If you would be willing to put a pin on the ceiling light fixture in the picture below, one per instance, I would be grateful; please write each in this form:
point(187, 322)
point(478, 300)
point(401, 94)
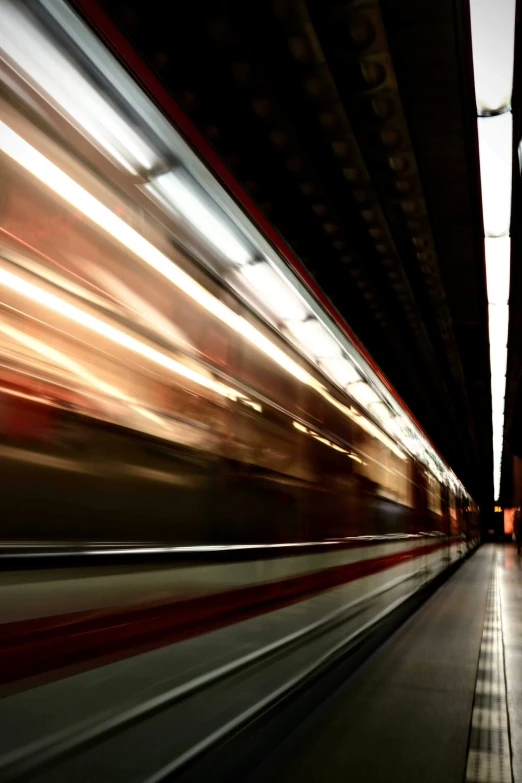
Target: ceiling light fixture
point(493, 38)
point(493, 44)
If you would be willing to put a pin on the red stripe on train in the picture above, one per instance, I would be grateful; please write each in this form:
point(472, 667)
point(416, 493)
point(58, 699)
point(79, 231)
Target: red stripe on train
point(33, 647)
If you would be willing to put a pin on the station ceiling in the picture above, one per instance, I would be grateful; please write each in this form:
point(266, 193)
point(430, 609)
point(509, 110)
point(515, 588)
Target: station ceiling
point(352, 125)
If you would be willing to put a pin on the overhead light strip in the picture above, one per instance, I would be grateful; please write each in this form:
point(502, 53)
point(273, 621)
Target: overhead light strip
point(493, 42)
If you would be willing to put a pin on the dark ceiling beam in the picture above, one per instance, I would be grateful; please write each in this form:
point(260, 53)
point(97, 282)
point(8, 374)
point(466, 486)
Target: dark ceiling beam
point(386, 168)
point(430, 44)
point(368, 83)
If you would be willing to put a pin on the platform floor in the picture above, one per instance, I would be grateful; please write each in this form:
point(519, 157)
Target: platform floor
point(431, 703)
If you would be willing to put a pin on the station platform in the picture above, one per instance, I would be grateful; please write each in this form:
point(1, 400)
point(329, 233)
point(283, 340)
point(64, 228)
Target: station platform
point(401, 674)
point(439, 701)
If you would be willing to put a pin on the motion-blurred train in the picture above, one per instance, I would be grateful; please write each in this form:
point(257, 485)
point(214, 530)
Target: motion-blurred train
point(164, 377)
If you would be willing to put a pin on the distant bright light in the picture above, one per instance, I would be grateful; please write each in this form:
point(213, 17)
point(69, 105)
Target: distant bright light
point(495, 136)
point(493, 39)
point(498, 269)
point(498, 413)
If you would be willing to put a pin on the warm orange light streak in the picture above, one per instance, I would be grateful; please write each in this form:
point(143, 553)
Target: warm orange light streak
point(60, 183)
point(75, 314)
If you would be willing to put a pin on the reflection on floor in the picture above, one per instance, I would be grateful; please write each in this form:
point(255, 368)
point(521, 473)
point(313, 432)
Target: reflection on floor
point(509, 569)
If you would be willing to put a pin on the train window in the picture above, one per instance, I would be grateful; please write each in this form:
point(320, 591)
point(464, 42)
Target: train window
point(387, 470)
point(452, 509)
point(433, 493)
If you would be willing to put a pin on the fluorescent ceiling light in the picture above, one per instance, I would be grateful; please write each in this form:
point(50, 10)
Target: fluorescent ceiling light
point(495, 136)
point(498, 413)
point(181, 198)
point(273, 291)
point(493, 40)
point(363, 393)
point(61, 184)
point(498, 360)
point(38, 60)
point(498, 334)
point(498, 387)
point(498, 440)
point(498, 428)
point(341, 371)
point(498, 268)
point(315, 339)
point(498, 326)
point(496, 477)
point(498, 436)
point(493, 37)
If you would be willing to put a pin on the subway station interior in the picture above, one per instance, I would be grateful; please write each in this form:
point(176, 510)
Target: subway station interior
point(260, 391)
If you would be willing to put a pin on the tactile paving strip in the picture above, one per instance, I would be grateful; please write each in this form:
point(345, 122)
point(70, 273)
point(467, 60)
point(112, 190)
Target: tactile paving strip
point(489, 757)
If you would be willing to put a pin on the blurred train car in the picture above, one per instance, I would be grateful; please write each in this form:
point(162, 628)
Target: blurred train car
point(146, 402)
